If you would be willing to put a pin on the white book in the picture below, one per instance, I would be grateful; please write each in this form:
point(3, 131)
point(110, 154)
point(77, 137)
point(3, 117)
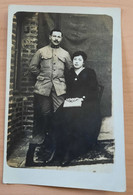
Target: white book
point(73, 102)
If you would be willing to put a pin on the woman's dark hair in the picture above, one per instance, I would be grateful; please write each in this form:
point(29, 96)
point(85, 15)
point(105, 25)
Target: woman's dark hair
point(80, 53)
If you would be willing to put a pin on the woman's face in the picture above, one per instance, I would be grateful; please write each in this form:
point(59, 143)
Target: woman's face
point(78, 62)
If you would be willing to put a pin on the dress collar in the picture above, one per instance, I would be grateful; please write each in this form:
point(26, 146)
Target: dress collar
point(77, 72)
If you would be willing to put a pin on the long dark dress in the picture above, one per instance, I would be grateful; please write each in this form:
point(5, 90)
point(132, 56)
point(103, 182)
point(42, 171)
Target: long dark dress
point(76, 128)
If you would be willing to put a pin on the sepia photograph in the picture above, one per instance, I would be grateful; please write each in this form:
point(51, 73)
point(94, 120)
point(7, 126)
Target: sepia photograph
point(60, 104)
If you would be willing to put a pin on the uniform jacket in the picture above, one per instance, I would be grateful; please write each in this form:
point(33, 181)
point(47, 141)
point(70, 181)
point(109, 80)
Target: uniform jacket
point(49, 64)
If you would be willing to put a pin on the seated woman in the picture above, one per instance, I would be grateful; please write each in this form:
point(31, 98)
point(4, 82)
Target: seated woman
point(77, 123)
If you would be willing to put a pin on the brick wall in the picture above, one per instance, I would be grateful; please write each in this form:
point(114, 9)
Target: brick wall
point(28, 49)
point(24, 45)
point(15, 103)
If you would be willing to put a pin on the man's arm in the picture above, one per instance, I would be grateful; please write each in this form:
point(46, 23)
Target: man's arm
point(34, 66)
point(68, 61)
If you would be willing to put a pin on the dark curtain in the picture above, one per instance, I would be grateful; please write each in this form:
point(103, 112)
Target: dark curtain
point(90, 33)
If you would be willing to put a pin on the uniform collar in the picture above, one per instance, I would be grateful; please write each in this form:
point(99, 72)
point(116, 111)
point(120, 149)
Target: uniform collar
point(54, 46)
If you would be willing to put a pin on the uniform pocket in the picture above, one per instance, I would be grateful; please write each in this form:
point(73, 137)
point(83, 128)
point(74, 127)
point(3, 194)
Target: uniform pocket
point(46, 55)
point(62, 59)
point(62, 80)
point(40, 78)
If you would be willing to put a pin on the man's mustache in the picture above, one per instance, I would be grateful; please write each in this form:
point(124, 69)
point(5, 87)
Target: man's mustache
point(56, 41)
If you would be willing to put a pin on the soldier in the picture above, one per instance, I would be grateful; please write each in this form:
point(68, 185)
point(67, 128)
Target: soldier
point(48, 65)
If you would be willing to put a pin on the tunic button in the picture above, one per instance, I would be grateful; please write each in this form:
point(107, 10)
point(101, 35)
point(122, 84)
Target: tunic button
point(75, 79)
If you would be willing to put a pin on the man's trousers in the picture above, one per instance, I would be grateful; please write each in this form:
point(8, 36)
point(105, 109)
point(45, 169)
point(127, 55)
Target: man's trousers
point(43, 110)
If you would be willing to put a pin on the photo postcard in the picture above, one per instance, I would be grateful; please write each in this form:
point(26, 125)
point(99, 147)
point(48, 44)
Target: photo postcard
point(64, 122)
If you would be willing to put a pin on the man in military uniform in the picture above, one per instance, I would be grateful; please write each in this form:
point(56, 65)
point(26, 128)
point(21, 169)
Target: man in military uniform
point(48, 65)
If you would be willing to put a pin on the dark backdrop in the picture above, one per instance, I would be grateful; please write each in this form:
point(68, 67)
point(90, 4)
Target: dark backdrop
point(90, 33)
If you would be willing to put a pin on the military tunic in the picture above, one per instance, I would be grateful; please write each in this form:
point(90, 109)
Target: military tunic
point(48, 64)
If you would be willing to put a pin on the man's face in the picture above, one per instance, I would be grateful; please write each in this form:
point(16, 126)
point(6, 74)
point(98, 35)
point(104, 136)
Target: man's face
point(55, 38)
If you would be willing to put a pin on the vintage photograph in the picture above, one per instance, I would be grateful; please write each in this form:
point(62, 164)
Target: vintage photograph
point(55, 58)
point(60, 99)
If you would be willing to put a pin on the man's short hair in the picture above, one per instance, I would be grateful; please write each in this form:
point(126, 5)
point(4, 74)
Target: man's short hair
point(57, 30)
point(80, 53)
